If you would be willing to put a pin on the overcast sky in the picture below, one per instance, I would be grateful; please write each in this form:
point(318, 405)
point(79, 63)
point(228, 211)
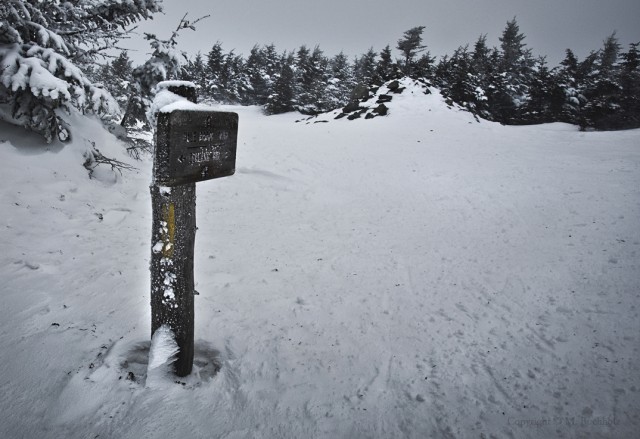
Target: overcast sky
point(354, 26)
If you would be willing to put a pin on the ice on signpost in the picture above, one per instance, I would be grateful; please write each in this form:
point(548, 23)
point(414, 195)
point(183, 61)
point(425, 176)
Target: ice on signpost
point(162, 354)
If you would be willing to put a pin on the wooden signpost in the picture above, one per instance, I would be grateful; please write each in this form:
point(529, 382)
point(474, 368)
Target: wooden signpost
point(191, 146)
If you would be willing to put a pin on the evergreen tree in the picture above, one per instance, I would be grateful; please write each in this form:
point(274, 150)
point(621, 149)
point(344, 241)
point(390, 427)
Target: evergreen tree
point(311, 70)
point(365, 70)
point(340, 83)
point(163, 64)
point(458, 81)
point(483, 66)
point(282, 99)
point(121, 66)
point(480, 57)
point(569, 95)
point(630, 85)
point(214, 72)
point(604, 92)
point(509, 84)
point(117, 77)
point(424, 66)
point(386, 68)
point(269, 71)
point(42, 47)
point(453, 76)
point(514, 55)
point(609, 53)
point(545, 98)
point(233, 82)
point(195, 71)
point(410, 45)
point(271, 62)
point(259, 81)
point(586, 74)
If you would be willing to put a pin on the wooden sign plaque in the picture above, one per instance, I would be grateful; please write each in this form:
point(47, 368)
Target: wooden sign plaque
point(193, 146)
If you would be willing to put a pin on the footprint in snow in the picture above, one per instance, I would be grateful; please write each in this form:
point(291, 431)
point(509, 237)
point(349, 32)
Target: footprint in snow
point(115, 216)
point(28, 264)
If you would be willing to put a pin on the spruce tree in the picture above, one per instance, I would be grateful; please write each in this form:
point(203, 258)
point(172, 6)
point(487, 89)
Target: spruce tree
point(514, 55)
point(340, 83)
point(424, 66)
point(480, 56)
point(510, 82)
point(586, 79)
point(365, 71)
point(213, 70)
point(311, 70)
point(43, 47)
point(282, 99)
point(386, 68)
point(457, 78)
point(483, 67)
point(609, 53)
point(271, 63)
point(233, 82)
point(119, 77)
point(164, 64)
point(630, 87)
point(195, 71)
point(569, 94)
point(410, 45)
point(539, 107)
point(259, 81)
point(121, 66)
point(269, 71)
point(603, 92)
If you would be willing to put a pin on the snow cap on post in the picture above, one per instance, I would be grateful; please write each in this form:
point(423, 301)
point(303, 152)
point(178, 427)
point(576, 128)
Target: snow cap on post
point(186, 89)
point(171, 92)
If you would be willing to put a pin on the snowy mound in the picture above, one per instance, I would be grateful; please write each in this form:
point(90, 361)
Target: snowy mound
point(92, 146)
point(402, 97)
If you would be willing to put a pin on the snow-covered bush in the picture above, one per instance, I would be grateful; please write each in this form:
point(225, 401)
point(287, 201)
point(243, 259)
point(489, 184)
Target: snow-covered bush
point(37, 83)
point(44, 44)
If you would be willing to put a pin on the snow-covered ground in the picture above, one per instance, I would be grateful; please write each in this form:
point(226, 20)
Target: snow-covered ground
point(417, 275)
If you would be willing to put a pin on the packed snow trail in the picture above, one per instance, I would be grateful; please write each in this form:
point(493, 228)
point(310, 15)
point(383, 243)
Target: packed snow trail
point(418, 275)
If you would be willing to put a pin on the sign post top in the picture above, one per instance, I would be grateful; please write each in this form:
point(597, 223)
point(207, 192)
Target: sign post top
point(194, 146)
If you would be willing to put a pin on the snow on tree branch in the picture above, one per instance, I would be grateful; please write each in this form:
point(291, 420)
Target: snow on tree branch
point(43, 47)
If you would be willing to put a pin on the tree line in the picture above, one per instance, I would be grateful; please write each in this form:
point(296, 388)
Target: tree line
point(50, 56)
point(506, 84)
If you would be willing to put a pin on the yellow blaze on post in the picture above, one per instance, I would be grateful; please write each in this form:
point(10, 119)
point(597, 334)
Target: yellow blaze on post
point(169, 235)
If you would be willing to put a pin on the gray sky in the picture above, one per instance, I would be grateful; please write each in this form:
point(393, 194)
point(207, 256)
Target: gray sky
point(354, 26)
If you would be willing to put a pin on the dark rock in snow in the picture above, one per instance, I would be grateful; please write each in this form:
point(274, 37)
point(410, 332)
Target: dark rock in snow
point(351, 107)
point(381, 109)
point(384, 98)
point(360, 93)
point(393, 85)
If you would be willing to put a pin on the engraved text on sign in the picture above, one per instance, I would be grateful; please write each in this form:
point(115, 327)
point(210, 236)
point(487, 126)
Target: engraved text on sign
point(194, 146)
